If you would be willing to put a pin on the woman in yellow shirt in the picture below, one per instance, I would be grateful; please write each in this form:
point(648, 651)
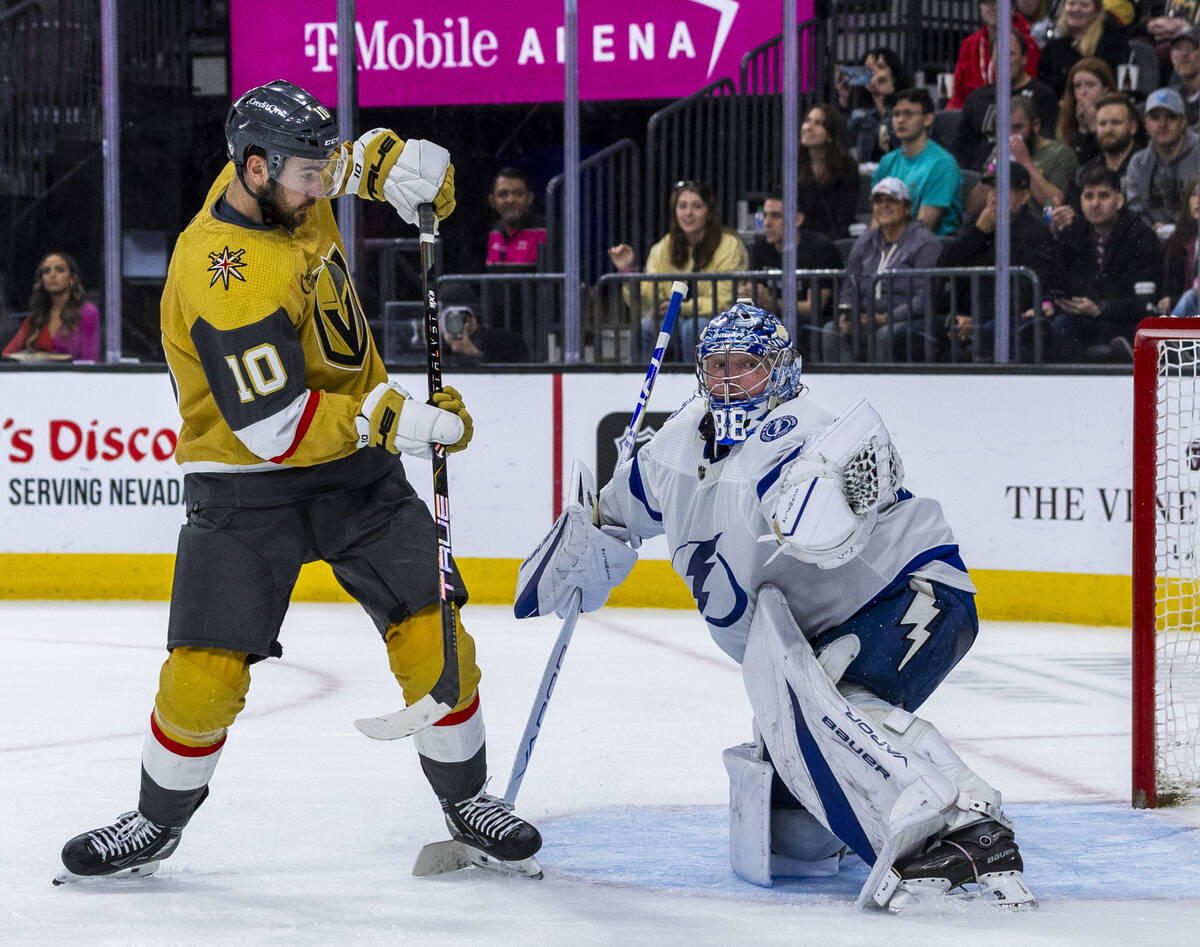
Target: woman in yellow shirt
point(695, 243)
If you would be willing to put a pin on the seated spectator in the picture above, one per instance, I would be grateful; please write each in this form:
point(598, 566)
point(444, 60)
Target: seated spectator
point(467, 339)
point(869, 127)
point(975, 67)
point(517, 234)
point(1088, 81)
point(695, 243)
point(1101, 256)
point(1037, 15)
point(1157, 173)
point(60, 323)
point(1185, 61)
point(827, 176)
point(976, 133)
point(1161, 21)
point(1117, 130)
point(1083, 29)
point(1177, 285)
point(1050, 163)
point(927, 169)
point(896, 242)
point(814, 251)
point(975, 245)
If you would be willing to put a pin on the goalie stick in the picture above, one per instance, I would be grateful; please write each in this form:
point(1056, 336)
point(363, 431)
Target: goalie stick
point(579, 493)
point(444, 694)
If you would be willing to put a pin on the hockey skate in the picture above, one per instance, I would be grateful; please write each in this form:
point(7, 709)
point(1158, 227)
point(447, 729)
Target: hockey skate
point(133, 843)
point(983, 855)
point(486, 834)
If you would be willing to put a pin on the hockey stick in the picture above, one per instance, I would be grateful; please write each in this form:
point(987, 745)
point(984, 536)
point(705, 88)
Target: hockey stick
point(580, 494)
point(444, 694)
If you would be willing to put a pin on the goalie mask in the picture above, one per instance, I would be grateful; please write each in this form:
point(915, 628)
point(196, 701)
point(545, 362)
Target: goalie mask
point(746, 367)
point(297, 135)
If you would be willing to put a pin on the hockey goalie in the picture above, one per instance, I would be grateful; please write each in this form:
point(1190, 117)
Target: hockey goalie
point(843, 597)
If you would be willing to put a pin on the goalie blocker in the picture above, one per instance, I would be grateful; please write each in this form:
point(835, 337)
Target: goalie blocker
point(575, 555)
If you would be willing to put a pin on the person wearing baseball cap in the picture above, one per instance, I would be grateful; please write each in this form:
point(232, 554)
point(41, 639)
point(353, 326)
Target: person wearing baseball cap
point(1185, 60)
point(869, 300)
point(1159, 172)
point(1032, 247)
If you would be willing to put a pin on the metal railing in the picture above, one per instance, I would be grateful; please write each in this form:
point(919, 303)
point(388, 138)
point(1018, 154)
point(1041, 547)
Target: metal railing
point(761, 68)
point(616, 325)
point(925, 34)
point(49, 61)
point(693, 139)
point(529, 305)
point(609, 199)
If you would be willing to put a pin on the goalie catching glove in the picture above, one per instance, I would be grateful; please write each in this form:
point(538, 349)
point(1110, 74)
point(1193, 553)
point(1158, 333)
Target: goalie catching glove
point(390, 418)
point(575, 555)
point(824, 506)
point(406, 174)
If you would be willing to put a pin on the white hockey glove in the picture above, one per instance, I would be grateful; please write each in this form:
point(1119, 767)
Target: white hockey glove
point(574, 555)
point(826, 503)
point(406, 174)
point(392, 419)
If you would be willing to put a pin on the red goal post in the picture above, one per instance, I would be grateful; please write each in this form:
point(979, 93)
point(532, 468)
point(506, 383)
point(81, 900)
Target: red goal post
point(1166, 562)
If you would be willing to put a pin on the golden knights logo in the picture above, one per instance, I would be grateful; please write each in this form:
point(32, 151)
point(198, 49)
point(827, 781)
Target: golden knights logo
point(341, 326)
point(225, 264)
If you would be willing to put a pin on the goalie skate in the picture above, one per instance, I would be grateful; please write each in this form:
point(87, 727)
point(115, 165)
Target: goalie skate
point(979, 862)
point(132, 844)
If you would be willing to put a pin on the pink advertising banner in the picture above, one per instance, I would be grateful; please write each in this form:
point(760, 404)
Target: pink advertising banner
point(456, 52)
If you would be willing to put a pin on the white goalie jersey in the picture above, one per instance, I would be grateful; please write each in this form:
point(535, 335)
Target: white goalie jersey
point(716, 513)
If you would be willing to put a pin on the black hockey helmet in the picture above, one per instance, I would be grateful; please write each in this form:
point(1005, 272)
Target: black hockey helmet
point(283, 120)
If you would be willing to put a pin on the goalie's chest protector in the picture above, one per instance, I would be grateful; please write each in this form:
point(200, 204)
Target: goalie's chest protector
point(711, 510)
point(713, 523)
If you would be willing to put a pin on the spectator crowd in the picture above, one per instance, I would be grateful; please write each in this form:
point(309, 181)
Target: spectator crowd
point(897, 181)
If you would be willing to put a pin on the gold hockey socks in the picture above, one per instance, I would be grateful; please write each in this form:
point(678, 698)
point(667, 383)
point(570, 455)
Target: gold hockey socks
point(200, 692)
point(415, 655)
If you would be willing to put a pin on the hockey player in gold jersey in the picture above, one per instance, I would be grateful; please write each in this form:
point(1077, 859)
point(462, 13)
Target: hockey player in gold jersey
point(289, 441)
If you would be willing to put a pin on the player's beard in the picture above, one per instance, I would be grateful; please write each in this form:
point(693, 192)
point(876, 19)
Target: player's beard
point(273, 212)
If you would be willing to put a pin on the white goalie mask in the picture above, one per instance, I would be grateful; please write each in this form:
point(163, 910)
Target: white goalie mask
point(746, 366)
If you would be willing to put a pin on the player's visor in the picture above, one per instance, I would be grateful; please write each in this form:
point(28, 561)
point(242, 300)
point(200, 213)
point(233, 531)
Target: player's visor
point(316, 177)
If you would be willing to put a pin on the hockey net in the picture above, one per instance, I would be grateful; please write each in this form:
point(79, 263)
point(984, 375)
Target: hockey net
point(1166, 563)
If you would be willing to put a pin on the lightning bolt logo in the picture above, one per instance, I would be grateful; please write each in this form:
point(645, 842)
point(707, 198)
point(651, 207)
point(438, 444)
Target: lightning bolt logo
point(702, 560)
point(921, 612)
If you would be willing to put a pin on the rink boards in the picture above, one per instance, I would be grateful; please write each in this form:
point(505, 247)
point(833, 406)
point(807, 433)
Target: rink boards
point(1032, 470)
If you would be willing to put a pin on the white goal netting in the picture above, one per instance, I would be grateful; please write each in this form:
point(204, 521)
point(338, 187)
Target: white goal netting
point(1177, 572)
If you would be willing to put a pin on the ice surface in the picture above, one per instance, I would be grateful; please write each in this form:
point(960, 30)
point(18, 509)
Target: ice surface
point(311, 830)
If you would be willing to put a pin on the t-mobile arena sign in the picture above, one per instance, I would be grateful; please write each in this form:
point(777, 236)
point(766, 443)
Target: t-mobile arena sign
point(458, 52)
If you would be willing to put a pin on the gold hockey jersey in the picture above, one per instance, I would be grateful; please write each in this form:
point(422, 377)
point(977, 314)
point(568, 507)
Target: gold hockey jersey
point(269, 350)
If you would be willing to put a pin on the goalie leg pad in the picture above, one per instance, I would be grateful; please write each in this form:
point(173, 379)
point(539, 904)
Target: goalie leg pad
point(768, 841)
point(977, 799)
point(868, 787)
point(910, 640)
